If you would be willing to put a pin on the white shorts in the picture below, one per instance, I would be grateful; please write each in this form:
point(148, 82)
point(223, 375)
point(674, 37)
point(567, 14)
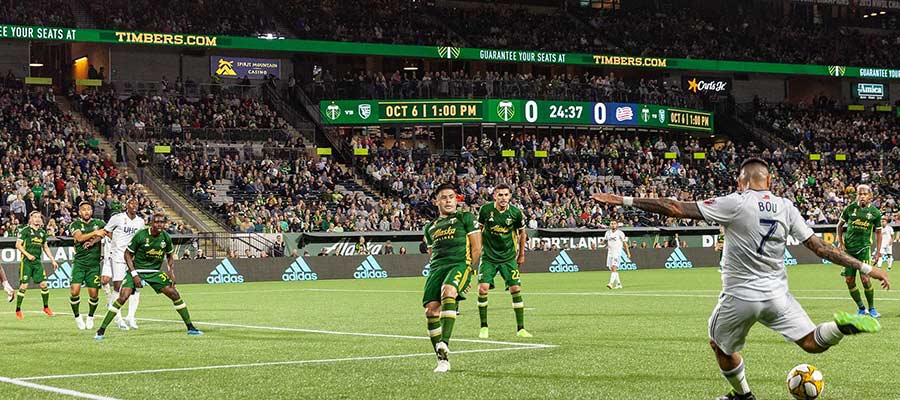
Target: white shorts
point(887, 251)
point(115, 270)
point(613, 261)
point(732, 318)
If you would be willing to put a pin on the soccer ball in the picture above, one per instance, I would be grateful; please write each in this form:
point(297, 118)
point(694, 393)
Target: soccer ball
point(805, 382)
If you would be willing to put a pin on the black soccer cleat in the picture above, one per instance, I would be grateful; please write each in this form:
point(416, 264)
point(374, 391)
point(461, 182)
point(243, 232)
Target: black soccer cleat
point(732, 395)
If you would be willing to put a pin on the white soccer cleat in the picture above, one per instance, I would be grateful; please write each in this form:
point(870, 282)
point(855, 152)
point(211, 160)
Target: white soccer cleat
point(618, 286)
point(89, 323)
point(609, 286)
point(121, 324)
point(10, 296)
point(443, 366)
point(79, 322)
point(131, 322)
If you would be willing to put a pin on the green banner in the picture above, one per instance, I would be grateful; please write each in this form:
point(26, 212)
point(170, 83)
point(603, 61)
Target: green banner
point(393, 50)
point(355, 112)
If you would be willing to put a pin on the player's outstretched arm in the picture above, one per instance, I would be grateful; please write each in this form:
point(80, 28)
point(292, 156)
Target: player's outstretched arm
point(475, 246)
point(667, 207)
point(838, 256)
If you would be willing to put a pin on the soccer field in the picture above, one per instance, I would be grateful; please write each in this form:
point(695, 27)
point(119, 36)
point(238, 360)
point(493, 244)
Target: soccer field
point(366, 339)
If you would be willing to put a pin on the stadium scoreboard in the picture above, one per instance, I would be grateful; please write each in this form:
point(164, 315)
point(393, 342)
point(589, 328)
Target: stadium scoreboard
point(526, 112)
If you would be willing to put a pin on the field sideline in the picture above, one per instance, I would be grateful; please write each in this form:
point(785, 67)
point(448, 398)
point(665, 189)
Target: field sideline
point(366, 339)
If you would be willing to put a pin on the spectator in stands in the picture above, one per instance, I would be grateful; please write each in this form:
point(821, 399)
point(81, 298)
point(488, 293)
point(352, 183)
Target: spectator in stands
point(199, 255)
point(388, 248)
point(278, 247)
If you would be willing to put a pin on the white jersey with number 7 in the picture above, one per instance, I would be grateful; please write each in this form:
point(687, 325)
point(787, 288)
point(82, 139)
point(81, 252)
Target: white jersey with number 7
point(757, 226)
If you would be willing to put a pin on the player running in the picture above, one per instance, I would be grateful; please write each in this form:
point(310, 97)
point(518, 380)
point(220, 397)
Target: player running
point(88, 232)
point(615, 242)
point(454, 244)
point(503, 235)
point(144, 259)
point(754, 282)
point(121, 228)
point(31, 242)
point(860, 218)
point(887, 245)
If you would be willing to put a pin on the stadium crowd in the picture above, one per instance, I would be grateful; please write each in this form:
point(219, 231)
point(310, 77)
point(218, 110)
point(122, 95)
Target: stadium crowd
point(36, 13)
point(245, 18)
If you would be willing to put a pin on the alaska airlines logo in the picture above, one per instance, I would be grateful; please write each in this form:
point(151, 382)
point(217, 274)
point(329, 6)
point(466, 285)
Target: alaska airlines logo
point(677, 260)
point(499, 230)
point(446, 233)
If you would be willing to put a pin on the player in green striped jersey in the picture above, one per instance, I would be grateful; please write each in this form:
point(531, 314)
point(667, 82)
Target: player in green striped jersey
point(32, 241)
point(503, 232)
point(87, 233)
point(860, 219)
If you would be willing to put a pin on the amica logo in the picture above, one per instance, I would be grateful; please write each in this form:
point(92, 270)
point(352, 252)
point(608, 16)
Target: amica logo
point(62, 278)
point(224, 273)
point(370, 269)
point(563, 263)
point(299, 270)
point(677, 260)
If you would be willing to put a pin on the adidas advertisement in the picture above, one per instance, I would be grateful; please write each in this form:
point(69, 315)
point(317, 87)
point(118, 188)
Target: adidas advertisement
point(224, 273)
point(299, 270)
point(369, 269)
point(677, 260)
point(789, 258)
point(62, 278)
point(563, 263)
point(426, 269)
point(238, 68)
point(625, 264)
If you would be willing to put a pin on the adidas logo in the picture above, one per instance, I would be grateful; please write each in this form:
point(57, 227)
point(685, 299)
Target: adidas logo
point(62, 278)
point(224, 273)
point(677, 260)
point(369, 269)
point(426, 269)
point(625, 264)
point(563, 263)
point(824, 261)
point(299, 271)
point(789, 258)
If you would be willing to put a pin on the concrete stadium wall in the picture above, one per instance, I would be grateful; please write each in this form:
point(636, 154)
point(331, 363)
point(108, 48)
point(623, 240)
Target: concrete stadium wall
point(381, 267)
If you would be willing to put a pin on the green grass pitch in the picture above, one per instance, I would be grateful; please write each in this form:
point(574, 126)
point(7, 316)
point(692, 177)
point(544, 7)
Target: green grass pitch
point(314, 340)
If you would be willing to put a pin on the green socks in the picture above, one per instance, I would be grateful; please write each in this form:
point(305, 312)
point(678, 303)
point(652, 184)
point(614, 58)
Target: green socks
point(869, 290)
point(448, 318)
point(111, 315)
point(181, 307)
point(45, 294)
point(19, 297)
point(854, 293)
point(434, 330)
point(519, 308)
point(482, 309)
point(74, 301)
point(92, 305)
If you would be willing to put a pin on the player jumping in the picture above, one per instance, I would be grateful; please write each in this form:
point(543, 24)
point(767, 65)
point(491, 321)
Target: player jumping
point(31, 242)
point(887, 245)
point(121, 229)
point(615, 241)
point(503, 230)
point(88, 232)
point(454, 244)
point(860, 218)
point(144, 259)
point(754, 282)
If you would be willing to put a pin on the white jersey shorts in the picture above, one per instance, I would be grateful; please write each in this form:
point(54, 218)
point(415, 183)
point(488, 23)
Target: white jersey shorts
point(732, 319)
point(114, 269)
point(887, 250)
point(613, 261)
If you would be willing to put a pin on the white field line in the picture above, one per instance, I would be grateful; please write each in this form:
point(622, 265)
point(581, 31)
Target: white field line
point(52, 389)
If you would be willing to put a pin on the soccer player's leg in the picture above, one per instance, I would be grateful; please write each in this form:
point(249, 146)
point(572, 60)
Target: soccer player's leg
point(38, 277)
point(431, 300)
point(10, 292)
point(455, 282)
point(486, 273)
point(161, 283)
point(510, 273)
point(119, 278)
point(729, 324)
point(24, 277)
point(613, 264)
point(868, 287)
point(92, 283)
point(75, 296)
point(794, 321)
point(849, 275)
point(115, 308)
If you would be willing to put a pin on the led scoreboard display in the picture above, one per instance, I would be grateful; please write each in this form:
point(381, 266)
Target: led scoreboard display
point(527, 112)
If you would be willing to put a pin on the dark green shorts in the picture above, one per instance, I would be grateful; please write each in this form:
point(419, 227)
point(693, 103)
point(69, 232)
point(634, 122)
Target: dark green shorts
point(31, 270)
point(509, 271)
point(864, 255)
point(156, 280)
point(458, 277)
point(86, 276)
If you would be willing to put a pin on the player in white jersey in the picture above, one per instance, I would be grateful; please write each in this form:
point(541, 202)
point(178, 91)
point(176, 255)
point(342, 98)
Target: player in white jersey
point(887, 243)
point(754, 282)
point(120, 229)
point(615, 240)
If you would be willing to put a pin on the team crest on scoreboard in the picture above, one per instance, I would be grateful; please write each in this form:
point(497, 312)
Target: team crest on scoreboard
point(365, 110)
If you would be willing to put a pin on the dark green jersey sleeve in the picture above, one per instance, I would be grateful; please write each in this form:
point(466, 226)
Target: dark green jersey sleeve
point(519, 220)
point(469, 223)
point(428, 241)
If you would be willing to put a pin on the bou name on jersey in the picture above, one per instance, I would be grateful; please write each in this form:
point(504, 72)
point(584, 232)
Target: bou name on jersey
point(757, 225)
point(149, 251)
point(860, 222)
point(500, 232)
point(448, 239)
